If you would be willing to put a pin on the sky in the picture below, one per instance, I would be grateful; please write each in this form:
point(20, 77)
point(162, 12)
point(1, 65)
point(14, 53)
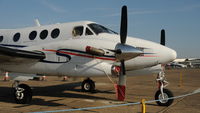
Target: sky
point(179, 18)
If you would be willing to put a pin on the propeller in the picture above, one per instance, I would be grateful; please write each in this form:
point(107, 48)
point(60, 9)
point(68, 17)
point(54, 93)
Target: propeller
point(123, 33)
point(162, 37)
point(124, 52)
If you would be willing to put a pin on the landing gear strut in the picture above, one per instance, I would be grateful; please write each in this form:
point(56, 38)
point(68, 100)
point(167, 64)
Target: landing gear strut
point(162, 94)
point(88, 85)
point(22, 93)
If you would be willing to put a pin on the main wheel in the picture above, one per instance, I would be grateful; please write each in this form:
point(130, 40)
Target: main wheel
point(23, 94)
point(167, 94)
point(88, 85)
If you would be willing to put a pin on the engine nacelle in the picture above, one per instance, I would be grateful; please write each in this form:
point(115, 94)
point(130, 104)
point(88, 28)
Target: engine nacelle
point(94, 51)
point(92, 69)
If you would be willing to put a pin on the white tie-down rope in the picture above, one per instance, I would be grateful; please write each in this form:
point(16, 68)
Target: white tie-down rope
point(105, 71)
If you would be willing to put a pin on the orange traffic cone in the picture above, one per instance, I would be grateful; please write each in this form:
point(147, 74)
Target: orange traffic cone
point(44, 78)
point(6, 77)
point(65, 78)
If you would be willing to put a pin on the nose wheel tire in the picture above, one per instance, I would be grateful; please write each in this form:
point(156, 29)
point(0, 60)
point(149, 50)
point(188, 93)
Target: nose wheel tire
point(166, 94)
point(88, 85)
point(23, 94)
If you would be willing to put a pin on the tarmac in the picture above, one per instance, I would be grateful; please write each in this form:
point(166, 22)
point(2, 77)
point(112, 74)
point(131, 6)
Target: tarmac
point(55, 94)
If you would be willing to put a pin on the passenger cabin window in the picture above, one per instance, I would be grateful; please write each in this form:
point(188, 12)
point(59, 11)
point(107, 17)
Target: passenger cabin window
point(88, 32)
point(77, 31)
point(100, 29)
point(1, 38)
point(43, 34)
point(16, 37)
point(32, 35)
point(55, 33)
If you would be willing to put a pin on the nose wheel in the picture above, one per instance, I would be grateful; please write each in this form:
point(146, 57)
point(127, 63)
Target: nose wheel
point(162, 97)
point(163, 94)
point(88, 85)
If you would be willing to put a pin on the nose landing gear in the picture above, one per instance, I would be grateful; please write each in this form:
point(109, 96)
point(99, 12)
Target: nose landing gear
point(163, 94)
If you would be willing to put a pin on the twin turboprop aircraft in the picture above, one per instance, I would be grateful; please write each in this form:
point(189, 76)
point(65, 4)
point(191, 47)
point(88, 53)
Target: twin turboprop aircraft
point(82, 49)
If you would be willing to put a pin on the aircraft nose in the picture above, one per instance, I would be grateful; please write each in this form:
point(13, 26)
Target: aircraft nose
point(168, 55)
point(173, 54)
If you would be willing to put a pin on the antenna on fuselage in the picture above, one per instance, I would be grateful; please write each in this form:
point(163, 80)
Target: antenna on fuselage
point(37, 23)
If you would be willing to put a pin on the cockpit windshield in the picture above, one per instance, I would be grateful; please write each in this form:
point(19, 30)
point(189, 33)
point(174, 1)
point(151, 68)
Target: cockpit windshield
point(100, 29)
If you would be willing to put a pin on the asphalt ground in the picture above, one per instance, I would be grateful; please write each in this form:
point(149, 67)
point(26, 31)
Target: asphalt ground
point(55, 94)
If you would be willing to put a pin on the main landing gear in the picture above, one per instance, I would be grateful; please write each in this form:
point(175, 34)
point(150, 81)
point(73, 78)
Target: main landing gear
point(88, 85)
point(22, 93)
point(163, 94)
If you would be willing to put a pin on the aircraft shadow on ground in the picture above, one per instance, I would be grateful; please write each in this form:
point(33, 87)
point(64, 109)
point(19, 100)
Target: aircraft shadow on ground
point(52, 91)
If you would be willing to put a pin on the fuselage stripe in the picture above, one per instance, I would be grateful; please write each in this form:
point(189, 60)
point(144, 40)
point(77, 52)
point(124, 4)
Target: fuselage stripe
point(148, 56)
point(76, 54)
point(89, 56)
point(11, 45)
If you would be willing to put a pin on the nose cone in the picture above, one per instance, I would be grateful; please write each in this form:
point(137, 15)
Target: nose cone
point(173, 55)
point(167, 55)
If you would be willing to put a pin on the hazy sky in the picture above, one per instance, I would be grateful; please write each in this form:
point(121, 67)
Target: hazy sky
point(180, 18)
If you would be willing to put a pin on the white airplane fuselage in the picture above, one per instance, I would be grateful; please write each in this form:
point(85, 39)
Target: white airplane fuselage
point(66, 54)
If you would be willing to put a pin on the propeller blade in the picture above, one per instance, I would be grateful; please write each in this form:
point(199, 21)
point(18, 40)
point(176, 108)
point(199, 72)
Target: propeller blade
point(123, 69)
point(123, 28)
point(162, 37)
point(122, 47)
point(121, 87)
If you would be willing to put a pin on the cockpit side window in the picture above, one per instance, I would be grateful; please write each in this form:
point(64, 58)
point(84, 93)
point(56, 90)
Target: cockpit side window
point(88, 32)
point(100, 29)
point(77, 31)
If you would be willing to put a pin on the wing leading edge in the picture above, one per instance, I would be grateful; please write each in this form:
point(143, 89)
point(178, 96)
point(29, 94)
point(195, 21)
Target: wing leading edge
point(16, 55)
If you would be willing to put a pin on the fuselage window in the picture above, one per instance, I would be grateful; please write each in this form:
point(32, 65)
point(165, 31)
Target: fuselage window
point(1, 38)
point(77, 31)
point(43, 34)
point(55, 33)
point(16, 37)
point(88, 32)
point(32, 35)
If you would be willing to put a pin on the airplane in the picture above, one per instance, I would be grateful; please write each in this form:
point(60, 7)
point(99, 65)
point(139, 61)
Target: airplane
point(83, 49)
point(188, 62)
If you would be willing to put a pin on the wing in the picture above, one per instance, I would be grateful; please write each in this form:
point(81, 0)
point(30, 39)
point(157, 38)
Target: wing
point(11, 55)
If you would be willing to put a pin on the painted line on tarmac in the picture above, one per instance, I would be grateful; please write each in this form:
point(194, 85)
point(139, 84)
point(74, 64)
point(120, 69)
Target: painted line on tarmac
point(117, 105)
